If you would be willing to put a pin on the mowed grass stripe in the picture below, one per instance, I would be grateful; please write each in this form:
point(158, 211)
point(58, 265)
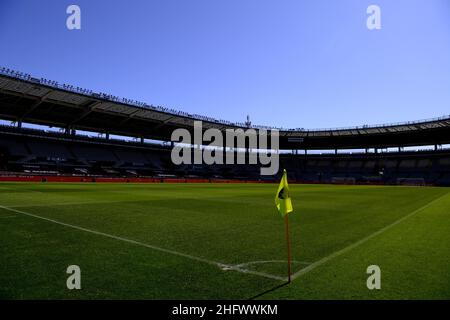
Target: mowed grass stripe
point(327, 218)
point(318, 263)
point(34, 256)
point(234, 224)
point(413, 257)
point(181, 254)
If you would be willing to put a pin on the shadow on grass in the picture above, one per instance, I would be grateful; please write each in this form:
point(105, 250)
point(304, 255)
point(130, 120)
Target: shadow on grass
point(269, 290)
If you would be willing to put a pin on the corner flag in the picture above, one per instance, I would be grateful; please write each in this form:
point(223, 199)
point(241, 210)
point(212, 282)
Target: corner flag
point(283, 198)
point(284, 206)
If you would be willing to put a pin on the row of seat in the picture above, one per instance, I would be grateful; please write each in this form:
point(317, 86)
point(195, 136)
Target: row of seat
point(39, 154)
point(60, 151)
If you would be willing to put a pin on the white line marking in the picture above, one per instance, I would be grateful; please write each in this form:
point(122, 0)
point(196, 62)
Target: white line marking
point(238, 267)
point(360, 242)
point(226, 267)
point(185, 255)
point(270, 261)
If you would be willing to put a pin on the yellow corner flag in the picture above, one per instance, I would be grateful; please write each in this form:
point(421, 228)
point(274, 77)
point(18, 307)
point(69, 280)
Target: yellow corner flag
point(283, 198)
point(284, 206)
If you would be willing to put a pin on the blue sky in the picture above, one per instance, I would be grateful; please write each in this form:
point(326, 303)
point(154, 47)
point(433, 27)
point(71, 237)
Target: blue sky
point(286, 63)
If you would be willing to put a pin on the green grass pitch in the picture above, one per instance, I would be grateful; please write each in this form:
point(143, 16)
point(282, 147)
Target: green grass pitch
point(222, 241)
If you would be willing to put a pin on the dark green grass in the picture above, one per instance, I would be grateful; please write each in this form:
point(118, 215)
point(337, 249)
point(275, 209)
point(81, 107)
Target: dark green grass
point(227, 223)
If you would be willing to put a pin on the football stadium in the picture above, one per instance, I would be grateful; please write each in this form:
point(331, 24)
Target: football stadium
point(131, 217)
point(93, 205)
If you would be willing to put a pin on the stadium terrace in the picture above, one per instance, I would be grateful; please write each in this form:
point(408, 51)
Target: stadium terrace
point(216, 152)
point(400, 153)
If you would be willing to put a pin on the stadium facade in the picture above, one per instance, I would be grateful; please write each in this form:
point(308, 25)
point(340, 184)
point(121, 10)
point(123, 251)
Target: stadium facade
point(27, 153)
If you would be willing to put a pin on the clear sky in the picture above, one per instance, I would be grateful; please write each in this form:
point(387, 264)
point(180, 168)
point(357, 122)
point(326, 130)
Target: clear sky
point(309, 64)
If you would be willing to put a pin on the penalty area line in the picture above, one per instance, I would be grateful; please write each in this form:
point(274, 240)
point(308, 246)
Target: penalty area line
point(142, 244)
point(320, 262)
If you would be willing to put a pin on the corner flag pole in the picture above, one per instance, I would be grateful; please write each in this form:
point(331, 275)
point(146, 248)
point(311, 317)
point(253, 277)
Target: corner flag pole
point(284, 207)
point(286, 222)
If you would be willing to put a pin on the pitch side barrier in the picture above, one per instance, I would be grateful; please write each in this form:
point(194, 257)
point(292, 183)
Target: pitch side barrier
point(83, 179)
point(78, 179)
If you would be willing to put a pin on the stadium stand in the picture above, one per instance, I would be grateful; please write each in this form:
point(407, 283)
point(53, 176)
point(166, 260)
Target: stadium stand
point(24, 152)
point(33, 152)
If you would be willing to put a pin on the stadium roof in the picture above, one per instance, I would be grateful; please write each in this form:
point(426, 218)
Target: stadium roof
point(27, 99)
